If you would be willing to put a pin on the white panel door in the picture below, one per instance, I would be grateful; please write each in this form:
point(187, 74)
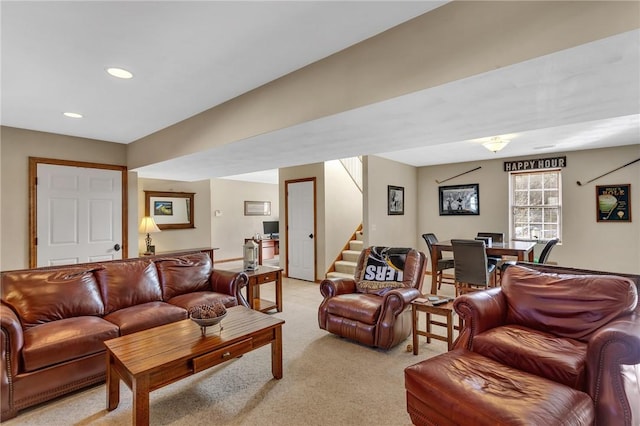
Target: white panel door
point(301, 246)
point(79, 215)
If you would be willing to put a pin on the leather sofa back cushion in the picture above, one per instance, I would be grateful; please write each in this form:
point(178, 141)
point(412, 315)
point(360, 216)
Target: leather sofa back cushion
point(184, 274)
point(567, 305)
point(41, 296)
point(128, 283)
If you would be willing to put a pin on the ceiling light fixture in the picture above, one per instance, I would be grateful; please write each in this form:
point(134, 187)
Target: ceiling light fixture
point(119, 73)
point(72, 114)
point(495, 144)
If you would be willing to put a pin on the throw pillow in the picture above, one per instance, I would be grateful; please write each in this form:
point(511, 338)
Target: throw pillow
point(383, 269)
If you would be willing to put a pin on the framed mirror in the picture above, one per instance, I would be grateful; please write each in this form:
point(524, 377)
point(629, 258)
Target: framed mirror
point(170, 210)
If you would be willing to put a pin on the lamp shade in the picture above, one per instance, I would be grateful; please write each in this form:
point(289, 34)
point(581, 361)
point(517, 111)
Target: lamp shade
point(495, 144)
point(148, 225)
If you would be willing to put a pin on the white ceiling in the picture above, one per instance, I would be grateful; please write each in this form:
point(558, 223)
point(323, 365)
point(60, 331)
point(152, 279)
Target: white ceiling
point(190, 56)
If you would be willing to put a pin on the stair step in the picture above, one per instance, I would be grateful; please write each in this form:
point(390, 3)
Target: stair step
point(356, 245)
point(359, 236)
point(339, 275)
point(351, 255)
point(346, 267)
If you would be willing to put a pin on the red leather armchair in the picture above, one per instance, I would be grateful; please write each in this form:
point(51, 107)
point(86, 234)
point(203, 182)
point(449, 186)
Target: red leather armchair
point(375, 317)
point(580, 330)
point(565, 341)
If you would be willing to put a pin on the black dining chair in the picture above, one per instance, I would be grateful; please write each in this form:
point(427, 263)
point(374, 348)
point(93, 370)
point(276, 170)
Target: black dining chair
point(442, 263)
point(543, 258)
point(472, 271)
point(546, 251)
point(496, 237)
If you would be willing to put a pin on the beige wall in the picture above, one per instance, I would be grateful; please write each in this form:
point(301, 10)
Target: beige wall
point(178, 239)
point(231, 227)
point(381, 228)
point(17, 145)
point(457, 40)
point(585, 243)
point(343, 211)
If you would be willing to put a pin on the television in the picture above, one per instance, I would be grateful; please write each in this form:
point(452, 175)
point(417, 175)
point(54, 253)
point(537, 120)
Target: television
point(271, 228)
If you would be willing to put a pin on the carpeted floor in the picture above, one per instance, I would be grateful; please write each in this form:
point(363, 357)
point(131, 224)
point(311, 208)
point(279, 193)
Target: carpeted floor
point(327, 381)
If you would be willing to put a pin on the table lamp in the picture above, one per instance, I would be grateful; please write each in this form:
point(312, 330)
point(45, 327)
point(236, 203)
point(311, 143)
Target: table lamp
point(148, 226)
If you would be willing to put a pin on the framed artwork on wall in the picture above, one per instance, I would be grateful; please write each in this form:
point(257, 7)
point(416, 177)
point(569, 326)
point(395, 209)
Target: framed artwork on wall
point(613, 203)
point(395, 200)
point(459, 200)
point(257, 208)
point(170, 210)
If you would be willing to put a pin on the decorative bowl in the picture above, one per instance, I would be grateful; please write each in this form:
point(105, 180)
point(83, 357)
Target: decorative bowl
point(207, 322)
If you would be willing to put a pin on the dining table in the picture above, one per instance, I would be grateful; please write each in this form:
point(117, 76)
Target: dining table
point(523, 250)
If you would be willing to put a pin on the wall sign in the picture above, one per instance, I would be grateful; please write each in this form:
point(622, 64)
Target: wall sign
point(613, 203)
point(535, 164)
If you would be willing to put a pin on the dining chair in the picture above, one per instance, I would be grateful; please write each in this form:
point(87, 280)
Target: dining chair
point(442, 263)
point(496, 237)
point(472, 272)
point(546, 251)
point(544, 255)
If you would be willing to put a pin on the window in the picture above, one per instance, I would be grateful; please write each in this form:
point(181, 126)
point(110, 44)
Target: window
point(536, 205)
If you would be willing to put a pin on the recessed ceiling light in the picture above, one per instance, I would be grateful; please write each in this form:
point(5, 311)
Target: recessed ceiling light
point(72, 115)
point(120, 73)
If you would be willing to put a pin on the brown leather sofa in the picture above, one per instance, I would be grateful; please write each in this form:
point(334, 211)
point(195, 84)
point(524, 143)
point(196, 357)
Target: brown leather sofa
point(551, 346)
point(55, 319)
point(378, 317)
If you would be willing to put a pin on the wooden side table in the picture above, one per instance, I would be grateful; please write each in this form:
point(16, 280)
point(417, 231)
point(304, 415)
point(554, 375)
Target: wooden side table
point(263, 275)
point(445, 310)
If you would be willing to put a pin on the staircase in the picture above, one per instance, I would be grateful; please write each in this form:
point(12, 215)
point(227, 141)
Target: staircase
point(345, 265)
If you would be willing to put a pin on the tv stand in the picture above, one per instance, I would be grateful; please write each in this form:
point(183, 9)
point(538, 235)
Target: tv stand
point(267, 248)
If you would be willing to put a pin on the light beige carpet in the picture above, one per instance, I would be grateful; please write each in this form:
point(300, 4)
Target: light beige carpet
point(327, 381)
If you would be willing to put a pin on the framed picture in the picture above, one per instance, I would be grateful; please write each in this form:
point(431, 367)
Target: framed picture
point(613, 203)
point(257, 208)
point(459, 200)
point(395, 200)
point(170, 210)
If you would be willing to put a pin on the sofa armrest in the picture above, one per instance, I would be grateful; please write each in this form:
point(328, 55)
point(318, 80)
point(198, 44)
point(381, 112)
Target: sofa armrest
point(480, 311)
point(11, 343)
point(231, 283)
point(331, 287)
point(613, 388)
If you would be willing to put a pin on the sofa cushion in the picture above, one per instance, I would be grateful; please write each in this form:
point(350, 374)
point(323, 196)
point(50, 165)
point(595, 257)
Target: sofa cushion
point(364, 308)
point(41, 296)
point(65, 340)
point(382, 270)
point(189, 300)
point(147, 315)
point(572, 306)
point(128, 283)
point(184, 274)
point(559, 359)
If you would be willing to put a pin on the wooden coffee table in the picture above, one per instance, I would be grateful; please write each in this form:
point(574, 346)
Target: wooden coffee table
point(150, 359)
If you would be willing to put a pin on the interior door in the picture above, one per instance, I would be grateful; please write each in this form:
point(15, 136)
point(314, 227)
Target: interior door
point(301, 239)
point(79, 214)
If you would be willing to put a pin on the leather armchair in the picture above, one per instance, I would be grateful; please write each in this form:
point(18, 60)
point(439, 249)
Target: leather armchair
point(578, 329)
point(379, 319)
